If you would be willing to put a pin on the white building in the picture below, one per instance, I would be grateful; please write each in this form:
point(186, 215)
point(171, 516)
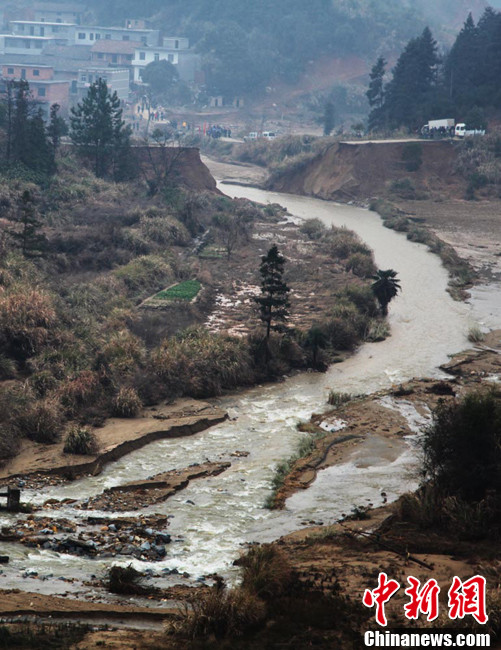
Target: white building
point(64, 32)
point(174, 49)
point(116, 79)
point(17, 44)
point(88, 35)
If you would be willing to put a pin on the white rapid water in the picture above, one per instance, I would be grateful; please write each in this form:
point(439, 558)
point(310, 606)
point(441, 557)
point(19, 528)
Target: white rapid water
point(226, 511)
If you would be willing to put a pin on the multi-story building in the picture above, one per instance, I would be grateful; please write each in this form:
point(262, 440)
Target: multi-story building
point(63, 32)
point(32, 45)
point(175, 50)
point(117, 79)
point(114, 53)
point(88, 35)
point(58, 12)
point(45, 90)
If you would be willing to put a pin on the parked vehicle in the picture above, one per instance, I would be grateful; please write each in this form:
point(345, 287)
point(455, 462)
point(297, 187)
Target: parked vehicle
point(253, 135)
point(447, 128)
point(269, 135)
point(463, 132)
point(439, 128)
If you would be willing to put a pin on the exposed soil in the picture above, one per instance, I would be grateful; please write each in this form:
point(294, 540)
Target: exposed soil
point(116, 438)
point(357, 172)
point(367, 420)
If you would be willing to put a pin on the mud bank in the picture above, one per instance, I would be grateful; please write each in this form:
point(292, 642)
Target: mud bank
point(116, 439)
point(373, 428)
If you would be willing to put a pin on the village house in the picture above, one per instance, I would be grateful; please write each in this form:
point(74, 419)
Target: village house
point(45, 90)
point(114, 53)
point(58, 12)
point(116, 79)
point(88, 35)
point(174, 49)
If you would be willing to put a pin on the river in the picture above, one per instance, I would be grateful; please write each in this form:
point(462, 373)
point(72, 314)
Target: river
point(214, 518)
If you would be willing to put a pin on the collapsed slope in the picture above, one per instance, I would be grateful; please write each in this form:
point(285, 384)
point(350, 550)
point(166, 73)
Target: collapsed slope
point(348, 171)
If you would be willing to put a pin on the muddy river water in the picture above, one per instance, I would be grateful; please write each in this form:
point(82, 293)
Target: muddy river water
point(213, 518)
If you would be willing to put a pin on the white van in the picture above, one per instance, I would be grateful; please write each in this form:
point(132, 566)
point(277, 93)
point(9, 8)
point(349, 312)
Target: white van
point(269, 135)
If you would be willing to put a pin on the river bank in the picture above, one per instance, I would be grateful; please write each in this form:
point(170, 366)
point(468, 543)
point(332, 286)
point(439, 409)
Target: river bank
point(230, 505)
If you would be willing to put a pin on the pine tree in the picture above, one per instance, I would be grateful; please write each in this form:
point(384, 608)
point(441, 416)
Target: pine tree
point(29, 238)
point(21, 149)
point(329, 118)
point(462, 65)
point(40, 156)
point(274, 299)
point(97, 128)
point(55, 130)
point(375, 95)
point(410, 92)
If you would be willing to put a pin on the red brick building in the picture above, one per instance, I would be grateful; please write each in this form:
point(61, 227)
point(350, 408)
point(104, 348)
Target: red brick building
point(45, 90)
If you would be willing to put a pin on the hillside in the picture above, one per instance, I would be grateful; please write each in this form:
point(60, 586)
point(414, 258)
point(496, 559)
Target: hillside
point(348, 171)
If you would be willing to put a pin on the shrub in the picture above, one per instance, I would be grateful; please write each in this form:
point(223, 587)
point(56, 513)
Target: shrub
point(313, 228)
point(266, 572)
point(165, 231)
point(222, 613)
point(201, 364)
point(79, 391)
point(127, 403)
point(80, 440)
point(462, 447)
point(122, 351)
point(43, 382)
point(9, 442)
point(145, 274)
point(338, 399)
point(125, 580)
point(361, 265)
point(27, 322)
point(41, 421)
point(475, 334)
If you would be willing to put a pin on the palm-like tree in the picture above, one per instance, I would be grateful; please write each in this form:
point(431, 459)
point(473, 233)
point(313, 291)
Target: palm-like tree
point(385, 287)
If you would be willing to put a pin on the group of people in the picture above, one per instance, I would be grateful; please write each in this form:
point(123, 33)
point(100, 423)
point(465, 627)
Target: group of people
point(218, 131)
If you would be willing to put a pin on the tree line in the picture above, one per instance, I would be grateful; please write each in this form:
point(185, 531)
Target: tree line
point(31, 140)
point(464, 83)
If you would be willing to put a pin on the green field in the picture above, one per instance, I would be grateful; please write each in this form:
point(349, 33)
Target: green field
point(182, 291)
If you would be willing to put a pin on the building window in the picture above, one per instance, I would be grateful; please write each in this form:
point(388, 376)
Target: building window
point(170, 57)
point(91, 36)
point(157, 56)
point(36, 73)
point(10, 70)
point(38, 45)
point(98, 36)
point(84, 77)
point(81, 36)
point(125, 37)
point(20, 28)
point(41, 92)
point(129, 57)
point(114, 58)
point(176, 45)
point(99, 55)
point(142, 56)
point(143, 40)
point(107, 37)
point(73, 88)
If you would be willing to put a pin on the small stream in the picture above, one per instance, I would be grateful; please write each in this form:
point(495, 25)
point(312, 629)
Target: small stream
point(213, 519)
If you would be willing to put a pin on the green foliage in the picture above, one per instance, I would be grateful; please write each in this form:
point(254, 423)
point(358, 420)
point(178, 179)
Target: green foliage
point(186, 290)
point(385, 287)
point(201, 364)
point(99, 132)
point(313, 228)
point(80, 441)
point(145, 273)
point(41, 421)
point(329, 120)
point(273, 301)
point(127, 403)
point(337, 399)
point(462, 447)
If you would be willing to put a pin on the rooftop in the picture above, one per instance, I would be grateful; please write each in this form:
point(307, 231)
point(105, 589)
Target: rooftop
point(59, 7)
point(115, 47)
point(40, 22)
